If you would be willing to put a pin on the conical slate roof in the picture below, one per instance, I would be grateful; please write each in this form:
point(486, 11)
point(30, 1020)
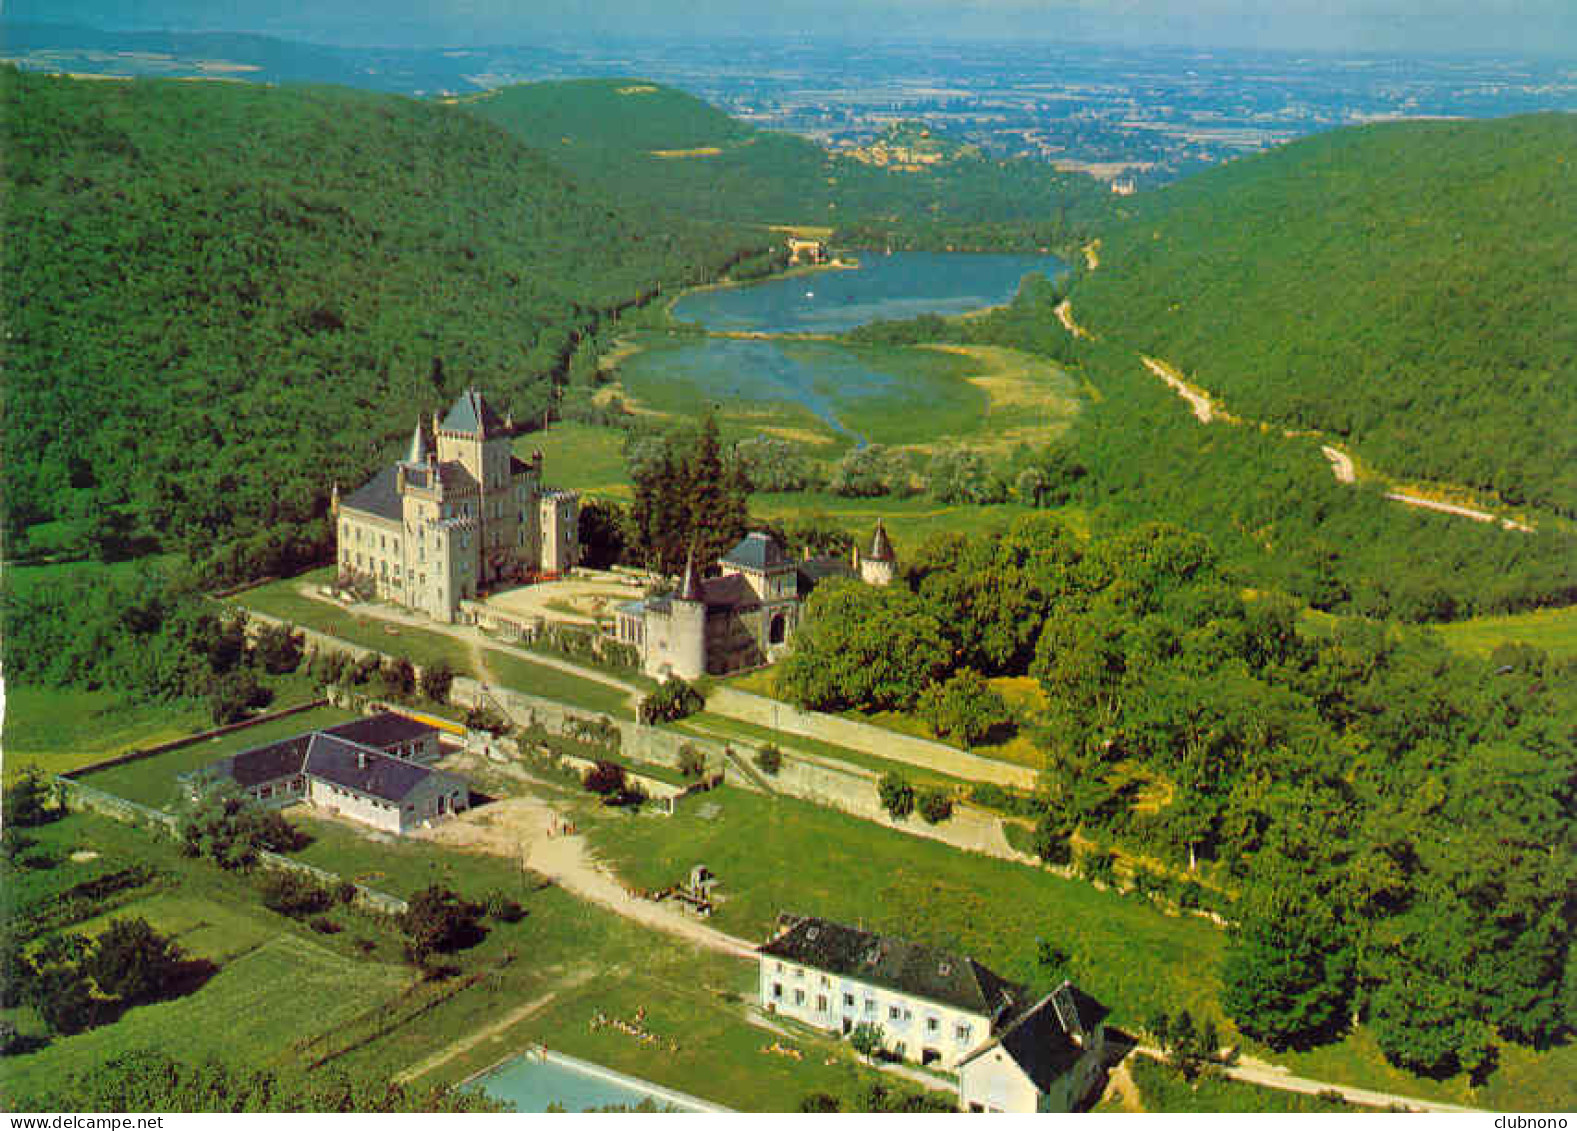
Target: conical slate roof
point(690, 590)
point(473, 415)
point(881, 548)
point(418, 452)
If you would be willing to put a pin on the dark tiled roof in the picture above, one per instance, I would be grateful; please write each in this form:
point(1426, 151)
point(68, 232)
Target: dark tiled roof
point(1047, 1040)
point(518, 466)
point(451, 475)
point(363, 769)
point(378, 497)
point(264, 764)
point(922, 971)
point(472, 414)
point(758, 552)
point(731, 592)
point(382, 730)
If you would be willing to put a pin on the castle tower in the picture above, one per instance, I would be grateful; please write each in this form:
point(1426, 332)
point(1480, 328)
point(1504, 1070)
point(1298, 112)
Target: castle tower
point(419, 451)
point(876, 567)
point(689, 625)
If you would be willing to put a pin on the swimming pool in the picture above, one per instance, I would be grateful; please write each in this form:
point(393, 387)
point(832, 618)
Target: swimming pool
point(535, 1080)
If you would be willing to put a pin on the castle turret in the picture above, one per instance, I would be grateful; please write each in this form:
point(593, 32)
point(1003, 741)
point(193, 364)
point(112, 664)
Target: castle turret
point(419, 450)
point(877, 566)
point(689, 624)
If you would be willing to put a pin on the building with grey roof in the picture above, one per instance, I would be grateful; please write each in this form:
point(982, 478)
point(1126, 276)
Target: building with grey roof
point(741, 619)
point(366, 769)
point(459, 514)
point(1048, 1058)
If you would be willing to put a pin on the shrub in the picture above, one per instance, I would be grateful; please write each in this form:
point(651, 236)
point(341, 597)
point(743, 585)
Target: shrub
point(133, 962)
point(323, 925)
point(692, 763)
point(770, 759)
point(673, 701)
point(965, 708)
point(439, 921)
point(437, 679)
point(897, 795)
point(1051, 840)
point(295, 893)
point(935, 805)
point(605, 778)
point(484, 717)
point(504, 909)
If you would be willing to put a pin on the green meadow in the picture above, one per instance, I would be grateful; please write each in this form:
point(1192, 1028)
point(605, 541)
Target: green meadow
point(1554, 630)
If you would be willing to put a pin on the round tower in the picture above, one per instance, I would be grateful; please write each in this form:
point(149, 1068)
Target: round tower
point(687, 640)
point(877, 566)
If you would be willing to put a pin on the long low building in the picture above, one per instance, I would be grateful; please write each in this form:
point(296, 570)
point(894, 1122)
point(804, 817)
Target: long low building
point(372, 770)
point(1013, 1051)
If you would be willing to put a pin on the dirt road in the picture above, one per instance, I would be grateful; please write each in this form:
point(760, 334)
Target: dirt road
point(1341, 464)
point(521, 829)
point(1452, 508)
point(1064, 310)
point(1204, 411)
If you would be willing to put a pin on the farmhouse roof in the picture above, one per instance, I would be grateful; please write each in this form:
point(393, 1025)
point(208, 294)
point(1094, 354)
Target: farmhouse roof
point(262, 764)
point(1048, 1039)
point(472, 415)
point(362, 768)
point(912, 968)
point(383, 730)
point(758, 552)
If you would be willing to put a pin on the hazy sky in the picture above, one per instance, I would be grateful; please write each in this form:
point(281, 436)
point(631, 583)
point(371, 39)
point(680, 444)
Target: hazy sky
point(1543, 27)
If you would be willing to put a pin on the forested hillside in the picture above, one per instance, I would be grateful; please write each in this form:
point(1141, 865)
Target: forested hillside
point(657, 147)
point(221, 298)
point(1406, 287)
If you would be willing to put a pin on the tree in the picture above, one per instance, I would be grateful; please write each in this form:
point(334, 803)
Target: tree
point(864, 646)
point(64, 1000)
point(133, 962)
point(1287, 974)
point(438, 921)
point(398, 678)
point(935, 805)
point(294, 893)
point(232, 695)
point(229, 828)
point(866, 1038)
point(1052, 839)
point(896, 794)
point(278, 648)
point(437, 679)
point(965, 707)
point(26, 800)
point(687, 498)
point(819, 1103)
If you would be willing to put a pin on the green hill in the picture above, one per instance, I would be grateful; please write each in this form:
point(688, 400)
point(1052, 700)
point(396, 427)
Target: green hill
point(221, 298)
point(652, 146)
point(1407, 287)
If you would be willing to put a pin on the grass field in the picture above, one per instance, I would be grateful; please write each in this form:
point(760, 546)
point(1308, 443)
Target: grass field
point(531, 678)
point(61, 729)
point(276, 982)
point(151, 781)
point(1126, 952)
point(582, 457)
point(1554, 630)
point(282, 599)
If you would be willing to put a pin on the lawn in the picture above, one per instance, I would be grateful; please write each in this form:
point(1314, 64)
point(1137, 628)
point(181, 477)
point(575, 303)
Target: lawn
point(61, 729)
point(282, 599)
point(1554, 630)
point(581, 457)
point(523, 675)
point(1124, 951)
point(151, 781)
point(400, 866)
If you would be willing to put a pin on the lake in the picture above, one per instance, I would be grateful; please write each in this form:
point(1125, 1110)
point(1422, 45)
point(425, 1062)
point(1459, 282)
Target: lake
point(902, 285)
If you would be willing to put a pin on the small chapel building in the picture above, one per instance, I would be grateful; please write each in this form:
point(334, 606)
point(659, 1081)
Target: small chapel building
point(460, 513)
point(743, 618)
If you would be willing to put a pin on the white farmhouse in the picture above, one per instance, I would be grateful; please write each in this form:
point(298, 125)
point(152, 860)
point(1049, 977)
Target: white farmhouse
point(1049, 1058)
point(1011, 1052)
point(932, 1006)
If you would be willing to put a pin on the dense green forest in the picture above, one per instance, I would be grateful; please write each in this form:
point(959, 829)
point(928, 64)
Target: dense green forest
point(1394, 826)
point(658, 148)
point(222, 298)
point(1277, 516)
point(1407, 287)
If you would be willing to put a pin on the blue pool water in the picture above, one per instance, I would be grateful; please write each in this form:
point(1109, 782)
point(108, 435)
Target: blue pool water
point(533, 1084)
point(901, 285)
